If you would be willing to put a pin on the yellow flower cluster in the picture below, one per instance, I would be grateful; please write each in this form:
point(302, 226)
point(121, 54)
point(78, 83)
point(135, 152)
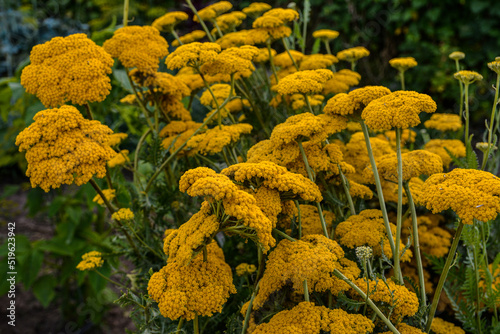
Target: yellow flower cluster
point(284, 59)
point(245, 269)
point(177, 133)
point(139, 47)
point(90, 261)
point(123, 214)
point(110, 194)
point(182, 244)
point(494, 270)
point(116, 138)
point(214, 140)
point(439, 147)
point(311, 223)
point(415, 163)
point(191, 37)
point(367, 229)
point(341, 82)
point(306, 318)
point(168, 21)
point(399, 109)
point(434, 240)
point(355, 101)
point(234, 60)
point(276, 17)
point(119, 159)
point(228, 22)
point(237, 203)
point(439, 326)
point(255, 9)
point(467, 77)
point(71, 68)
point(272, 176)
point(304, 82)
point(472, 194)
point(457, 55)
point(404, 303)
point(317, 61)
point(403, 63)
point(313, 258)
point(406, 329)
point(353, 54)
point(192, 55)
point(444, 122)
point(199, 288)
point(495, 65)
point(326, 34)
point(407, 136)
point(211, 12)
point(62, 147)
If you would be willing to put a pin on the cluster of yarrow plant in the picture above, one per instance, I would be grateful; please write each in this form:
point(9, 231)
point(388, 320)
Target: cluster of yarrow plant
point(269, 190)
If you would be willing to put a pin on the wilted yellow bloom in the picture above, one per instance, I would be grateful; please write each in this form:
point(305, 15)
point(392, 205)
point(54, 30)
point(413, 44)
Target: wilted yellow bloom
point(472, 194)
point(309, 318)
point(90, 261)
point(199, 288)
point(403, 63)
point(353, 54)
point(62, 147)
point(168, 21)
point(123, 214)
point(468, 77)
point(71, 68)
point(444, 122)
point(192, 54)
point(141, 47)
point(399, 109)
point(110, 194)
point(190, 37)
point(439, 147)
point(326, 34)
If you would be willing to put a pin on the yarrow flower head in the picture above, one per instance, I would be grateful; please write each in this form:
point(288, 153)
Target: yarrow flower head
point(304, 82)
point(199, 288)
point(468, 77)
point(439, 326)
point(472, 194)
point(441, 147)
point(404, 63)
point(123, 214)
point(353, 54)
point(168, 21)
point(245, 269)
point(309, 318)
point(211, 12)
point(191, 37)
point(399, 109)
point(326, 34)
point(62, 147)
point(255, 9)
point(141, 47)
point(110, 194)
point(193, 55)
point(354, 102)
point(71, 68)
point(495, 65)
point(90, 261)
point(444, 122)
point(235, 60)
point(457, 55)
point(214, 140)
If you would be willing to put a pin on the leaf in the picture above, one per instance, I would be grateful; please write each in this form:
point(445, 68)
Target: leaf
point(44, 289)
point(54, 246)
point(30, 268)
point(121, 77)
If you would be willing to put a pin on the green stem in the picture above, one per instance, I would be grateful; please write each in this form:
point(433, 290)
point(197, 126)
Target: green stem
point(196, 326)
point(306, 290)
point(367, 286)
point(486, 262)
point(204, 26)
point(416, 243)
point(374, 307)
point(308, 104)
point(300, 218)
point(110, 206)
point(114, 282)
point(309, 173)
point(443, 276)
point(136, 157)
point(345, 184)
point(174, 33)
point(396, 254)
point(214, 22)
point(492, 122)
point(467, 143)
point(139, 100)
point(179, 326)
point(89, 111)
point(249, 310)
point(271, 61)
point(144, 244)
point(378, 185)
point(283, 234)
point(285, 44)
point(402, 78)
point(461, 89)
point(478, 296)
point(125, 12)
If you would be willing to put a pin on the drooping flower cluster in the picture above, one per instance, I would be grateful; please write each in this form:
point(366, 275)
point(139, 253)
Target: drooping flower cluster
point(71, 68)
point(62, 147)
point(90, 261)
